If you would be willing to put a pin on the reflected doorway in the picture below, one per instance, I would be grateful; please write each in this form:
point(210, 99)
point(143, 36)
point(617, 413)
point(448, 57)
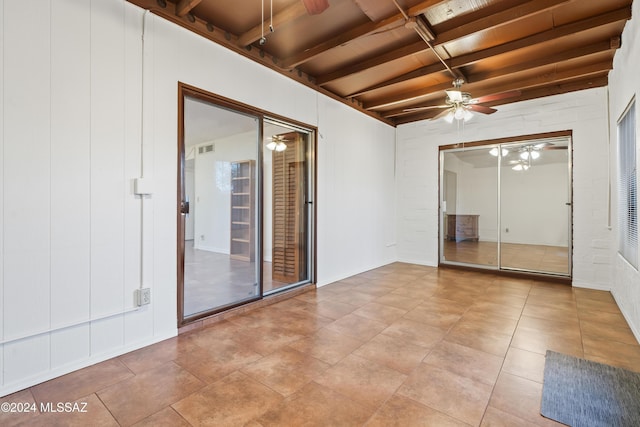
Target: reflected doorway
point(507, 205)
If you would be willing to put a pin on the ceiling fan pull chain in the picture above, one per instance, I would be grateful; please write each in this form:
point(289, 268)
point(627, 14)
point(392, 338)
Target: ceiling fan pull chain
point(271, 29)
point(262, 39)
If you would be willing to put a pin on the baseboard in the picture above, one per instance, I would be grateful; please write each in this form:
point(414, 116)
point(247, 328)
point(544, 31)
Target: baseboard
point(634, 330)
point(66, 369)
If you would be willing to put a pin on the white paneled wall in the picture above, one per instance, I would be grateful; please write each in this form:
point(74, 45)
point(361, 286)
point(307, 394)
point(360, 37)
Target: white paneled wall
point(76, 128)
point(70, 181)
point(27, 196)
point(624, 86)
point(583, 112)
point(355, 193)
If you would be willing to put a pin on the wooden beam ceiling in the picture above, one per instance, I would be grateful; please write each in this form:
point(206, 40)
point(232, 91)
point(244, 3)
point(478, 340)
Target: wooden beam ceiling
point(412, 72)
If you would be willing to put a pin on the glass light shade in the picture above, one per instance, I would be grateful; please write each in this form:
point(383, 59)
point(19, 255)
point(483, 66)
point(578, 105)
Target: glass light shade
point(281, 146)
point(517, 167)
point(272, 145)
point(535, 155)
point(467, 115)
point(524, 155)
point(459, 113)
point(494, 151)
point(449, 117)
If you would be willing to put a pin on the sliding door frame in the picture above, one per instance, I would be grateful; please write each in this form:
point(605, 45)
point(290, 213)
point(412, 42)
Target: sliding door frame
point(185, 90)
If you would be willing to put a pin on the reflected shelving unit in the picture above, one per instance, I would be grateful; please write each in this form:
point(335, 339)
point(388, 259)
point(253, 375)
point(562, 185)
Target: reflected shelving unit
point(242, 210)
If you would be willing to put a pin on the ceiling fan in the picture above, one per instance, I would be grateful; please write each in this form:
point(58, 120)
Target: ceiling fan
point(526, 154)
point(277, 143)
point(460, 105)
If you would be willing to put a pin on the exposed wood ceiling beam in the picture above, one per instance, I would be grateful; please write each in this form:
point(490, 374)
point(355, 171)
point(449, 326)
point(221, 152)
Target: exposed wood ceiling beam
point(621, 14)
point(374, 62)
point(334, 42)
point(600, 47)
point(289, 14)
point(542, 79)
point(495, 20)
point(420, 72)
point(184, 6)
point(545, 36)
point(568, 55)
point(167, 11)
point(464, 30)
point(354, 33)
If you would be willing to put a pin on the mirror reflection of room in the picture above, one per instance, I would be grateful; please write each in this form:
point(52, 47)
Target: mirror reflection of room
point(220, 230)
point(223, 234)
point(517, 217)
point(285, 187)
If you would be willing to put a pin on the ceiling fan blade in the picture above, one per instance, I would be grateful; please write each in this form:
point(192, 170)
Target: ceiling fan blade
point(481, 109)
point(315, 7)
point(427, 107)
point(496, 97)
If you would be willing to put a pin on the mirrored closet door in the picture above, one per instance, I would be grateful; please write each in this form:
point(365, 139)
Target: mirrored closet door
point(507, 205)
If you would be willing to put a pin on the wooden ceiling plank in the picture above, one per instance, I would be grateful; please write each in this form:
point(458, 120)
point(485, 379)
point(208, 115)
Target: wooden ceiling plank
point(420, 72)
point(494, 20)
point(354, 33)
point(385, 58)
point(617, 15)
point(340, 39)
point(463, 30)
point(562, 76)
point(224, 38)
point(185, 6)
point(541, 79)
point(539, 62)
point(561, 31)
point(567, 55)
point(282, 18)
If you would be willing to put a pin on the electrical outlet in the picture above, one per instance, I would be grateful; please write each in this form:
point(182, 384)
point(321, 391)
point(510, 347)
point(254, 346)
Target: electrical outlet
point(143, 296)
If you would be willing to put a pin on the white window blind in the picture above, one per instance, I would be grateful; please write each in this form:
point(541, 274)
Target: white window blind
point(628, 186)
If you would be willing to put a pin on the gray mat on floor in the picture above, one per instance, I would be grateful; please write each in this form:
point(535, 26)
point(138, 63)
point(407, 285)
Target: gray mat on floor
point(580, 392)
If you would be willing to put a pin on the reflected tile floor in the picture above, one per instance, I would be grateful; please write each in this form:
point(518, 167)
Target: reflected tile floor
point(399, 345)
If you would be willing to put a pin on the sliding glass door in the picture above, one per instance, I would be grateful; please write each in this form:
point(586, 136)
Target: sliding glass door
point(245, 225)
point(221, 241)
point(507, 205)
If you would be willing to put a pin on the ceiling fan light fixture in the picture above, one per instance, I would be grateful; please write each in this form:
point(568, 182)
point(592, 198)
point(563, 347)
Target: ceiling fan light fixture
point(281, 146)
point(271, 145)
point(535, 155)
point(494, 152)
point(449, 117)
point(524, 155)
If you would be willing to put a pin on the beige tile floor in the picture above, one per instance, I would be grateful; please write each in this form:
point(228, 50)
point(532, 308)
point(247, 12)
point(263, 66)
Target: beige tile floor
point(401, 345)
